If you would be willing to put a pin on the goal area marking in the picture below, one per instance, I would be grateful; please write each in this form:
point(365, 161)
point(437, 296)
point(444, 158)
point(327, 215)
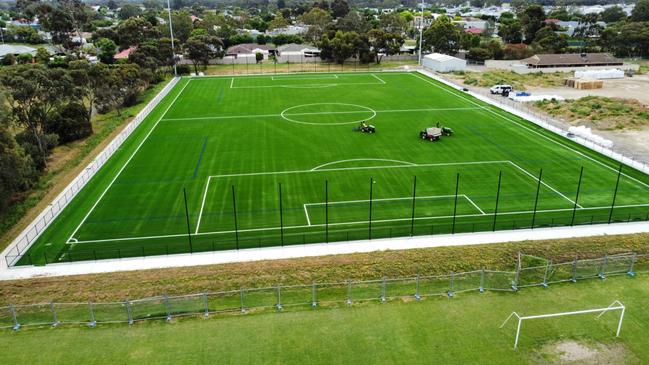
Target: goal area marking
point(616, 305)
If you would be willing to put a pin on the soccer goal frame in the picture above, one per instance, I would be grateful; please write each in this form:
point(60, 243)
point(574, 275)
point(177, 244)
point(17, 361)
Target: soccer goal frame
point(616, 305)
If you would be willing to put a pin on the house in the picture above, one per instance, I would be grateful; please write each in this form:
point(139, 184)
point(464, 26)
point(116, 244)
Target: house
point(15, 50)
point(297, 53)
point(571, 60)
point(249, 50)
point(443, 63)
point(123, 55)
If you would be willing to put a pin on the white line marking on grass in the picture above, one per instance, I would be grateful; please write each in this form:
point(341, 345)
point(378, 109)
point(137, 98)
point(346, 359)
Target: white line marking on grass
point(232, 83)
point(306, 213)
point(544, 184)
point(129, 160)
point(357, 223)
point(298, 77)
point(308, 86)
point(378, 78)
point(200, 213)
point(317, 113)
point(363, 159)
point(474, 204)
point(560, 143)
point(284, 113)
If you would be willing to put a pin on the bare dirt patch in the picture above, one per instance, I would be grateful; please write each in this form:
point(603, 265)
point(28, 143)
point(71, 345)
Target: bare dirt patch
point(574, 352)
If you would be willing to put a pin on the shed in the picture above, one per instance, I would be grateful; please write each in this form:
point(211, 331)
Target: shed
point(443, 63)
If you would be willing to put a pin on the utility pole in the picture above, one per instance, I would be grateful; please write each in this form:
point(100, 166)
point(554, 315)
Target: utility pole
point(421, 30)
point(171, 32)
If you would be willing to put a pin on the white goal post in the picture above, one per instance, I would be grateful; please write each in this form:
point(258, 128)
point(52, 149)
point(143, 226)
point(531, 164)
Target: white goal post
point(616, 305)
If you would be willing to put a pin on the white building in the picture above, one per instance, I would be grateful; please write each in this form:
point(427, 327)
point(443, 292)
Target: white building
point(443, 63)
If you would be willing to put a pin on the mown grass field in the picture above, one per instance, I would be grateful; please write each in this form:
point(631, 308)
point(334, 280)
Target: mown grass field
point(434, 330)
point(234, 145)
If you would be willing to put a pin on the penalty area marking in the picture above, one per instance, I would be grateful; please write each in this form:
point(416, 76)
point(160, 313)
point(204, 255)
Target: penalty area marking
point(323, 77)
point(308, 218)
point(362, 159)
point(286, 112)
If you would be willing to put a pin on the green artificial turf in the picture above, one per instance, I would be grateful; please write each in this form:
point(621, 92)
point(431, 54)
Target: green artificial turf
point(436, 330)
point(254, 136)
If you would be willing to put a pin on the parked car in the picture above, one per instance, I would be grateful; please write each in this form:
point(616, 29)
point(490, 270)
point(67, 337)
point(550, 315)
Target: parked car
point(499, 89)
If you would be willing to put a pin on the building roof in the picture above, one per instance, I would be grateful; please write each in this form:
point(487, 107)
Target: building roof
point(125, 53)
point(293, 47)
point(6, 49)
point(248, 48)
point(571, 59)
point(441, 57)
point(474, 30)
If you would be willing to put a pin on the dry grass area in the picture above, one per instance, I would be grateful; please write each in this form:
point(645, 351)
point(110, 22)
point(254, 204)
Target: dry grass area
point(598, 112)
point(577, 352)
point(518, 81)
point(335, 268)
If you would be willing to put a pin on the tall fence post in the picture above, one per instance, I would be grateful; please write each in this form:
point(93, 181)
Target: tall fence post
point(349, 292)
point(129, 313)
point(451, 287)
point(548, 264)
point(517, 277)
point(574, 208)
point(243, 307)
point(574, 271)
point(383, 290)
point(314, 295)
point(412, 215)
point(617, 185)
point(536, 200)
point(14, 317)
point(91, 312)
point(206, 303)
point(55, 318)
point(602, 268)
point(417, 294)
point(457, 188)
point(167, 307)
point(482, 281)
point(630, 272)
point(279, 298)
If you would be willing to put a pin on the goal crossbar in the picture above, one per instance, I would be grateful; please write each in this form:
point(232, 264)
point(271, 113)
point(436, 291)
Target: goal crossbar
point(616, 305)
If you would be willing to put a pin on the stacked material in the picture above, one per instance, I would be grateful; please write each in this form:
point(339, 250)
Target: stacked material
point(584, 84)
point(600, 74)
point(587, 134)
point(530, 98)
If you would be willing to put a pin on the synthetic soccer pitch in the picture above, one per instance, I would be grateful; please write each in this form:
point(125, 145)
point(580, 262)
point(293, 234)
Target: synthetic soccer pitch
point(276, 160)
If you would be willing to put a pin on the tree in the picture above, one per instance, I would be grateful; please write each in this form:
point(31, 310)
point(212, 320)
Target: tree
point(42, 56)
point(112, 5)
point(548, 40)
point(9, 60)
point(353, 22)
point(203, 48)
point(532, 20)
point(612, 14)
point(511, 31)
point(70, 123)
point(34, 94)
point(152, 5)
point(129, 11)
point(16, 167)
point(259, 57)
point(24, 58)
point(442, 36)
point(107, 50)
point(278, 22)
point(88, 78)
point(281, 4)
point(133, 31)
point(317, 20)
point(393, 23)
point(383, 43)
point(339, 8)
point(641, 11)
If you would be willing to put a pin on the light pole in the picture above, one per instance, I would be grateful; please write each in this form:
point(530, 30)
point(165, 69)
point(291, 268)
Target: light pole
point(421, 29)
point(171, 32)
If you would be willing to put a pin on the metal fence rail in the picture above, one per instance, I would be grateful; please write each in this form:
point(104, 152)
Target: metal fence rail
point(312, 295)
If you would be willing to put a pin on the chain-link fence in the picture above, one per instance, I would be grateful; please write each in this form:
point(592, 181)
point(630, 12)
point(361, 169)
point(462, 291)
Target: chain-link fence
point(322, 294)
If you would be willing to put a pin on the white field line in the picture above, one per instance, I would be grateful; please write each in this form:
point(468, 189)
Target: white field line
point(378, 78)
point(530, 130)
point(200, 213)
point(363, 159)
point(474, 204)
point(127, 161)
point(392, 199)
point(318, 113)
point(286, 77)
point(544, 184)
point(306, 86)
point(306, 213)
point(359, 222)
point(232, 83)
point(268, 75)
